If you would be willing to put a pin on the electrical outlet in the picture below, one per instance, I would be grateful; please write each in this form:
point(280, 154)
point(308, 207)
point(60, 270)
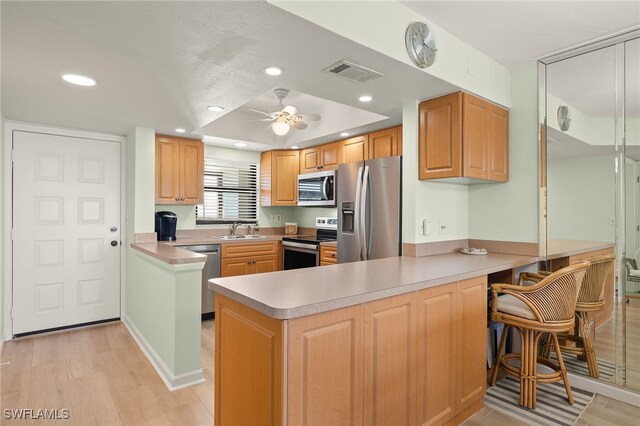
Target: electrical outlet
point(443, 227)
point(276, 218)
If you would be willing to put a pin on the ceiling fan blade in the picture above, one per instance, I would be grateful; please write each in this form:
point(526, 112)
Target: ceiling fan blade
point(299, 125)
point(261, 112)
point(259, 119)
point(310, 117)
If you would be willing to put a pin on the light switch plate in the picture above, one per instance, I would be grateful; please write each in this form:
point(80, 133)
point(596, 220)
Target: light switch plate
point(276, 218)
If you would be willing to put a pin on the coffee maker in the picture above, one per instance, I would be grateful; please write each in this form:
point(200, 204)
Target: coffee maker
point(166, 226)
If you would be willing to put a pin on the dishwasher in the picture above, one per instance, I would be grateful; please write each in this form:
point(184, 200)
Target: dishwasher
point(211, 270)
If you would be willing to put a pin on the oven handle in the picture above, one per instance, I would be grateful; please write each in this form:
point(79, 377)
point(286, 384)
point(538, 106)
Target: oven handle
point(300, 245)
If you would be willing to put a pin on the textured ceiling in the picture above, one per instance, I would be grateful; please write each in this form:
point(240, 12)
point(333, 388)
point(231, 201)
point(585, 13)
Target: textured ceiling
point(159, 64)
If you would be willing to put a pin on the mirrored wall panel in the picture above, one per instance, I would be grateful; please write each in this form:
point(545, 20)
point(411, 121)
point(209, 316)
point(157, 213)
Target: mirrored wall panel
point(590, 105)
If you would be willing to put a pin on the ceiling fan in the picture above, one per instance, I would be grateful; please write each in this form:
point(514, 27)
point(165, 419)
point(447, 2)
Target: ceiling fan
point(286, 116)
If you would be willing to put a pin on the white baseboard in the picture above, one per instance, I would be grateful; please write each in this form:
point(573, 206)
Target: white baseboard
point(610, 391)
point(171, 381)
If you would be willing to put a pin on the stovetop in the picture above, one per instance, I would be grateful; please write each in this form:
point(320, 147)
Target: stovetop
point(322, 235)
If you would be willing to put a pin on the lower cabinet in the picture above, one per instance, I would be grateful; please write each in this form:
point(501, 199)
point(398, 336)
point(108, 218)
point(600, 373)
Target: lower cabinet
point(328, 255)
point(415, 358)
point(249, 258)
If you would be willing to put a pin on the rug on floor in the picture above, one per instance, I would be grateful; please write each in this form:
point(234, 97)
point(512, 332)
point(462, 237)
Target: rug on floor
point(552, 407)
point(606, 369)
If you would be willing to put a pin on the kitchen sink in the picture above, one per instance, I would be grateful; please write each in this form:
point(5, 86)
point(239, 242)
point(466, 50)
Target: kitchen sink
point(230, 237)
point(254, 236)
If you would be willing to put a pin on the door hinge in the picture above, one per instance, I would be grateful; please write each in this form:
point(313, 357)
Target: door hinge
point(637, 227)
point(638, 179)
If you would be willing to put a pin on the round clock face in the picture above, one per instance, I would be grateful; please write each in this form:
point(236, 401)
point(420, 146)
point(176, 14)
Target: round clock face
point(421, 44)
point(564, 118)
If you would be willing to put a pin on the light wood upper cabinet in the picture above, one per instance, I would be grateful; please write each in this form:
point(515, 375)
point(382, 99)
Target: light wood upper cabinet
point(463, 136)
point(355, 149)
point(385, 143)
point(179, 170)
point(279, 178)
point(320, 158)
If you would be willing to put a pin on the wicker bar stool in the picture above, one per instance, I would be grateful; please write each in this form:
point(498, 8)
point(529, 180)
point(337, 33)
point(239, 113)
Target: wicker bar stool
point(590, 299)
point(545, 307)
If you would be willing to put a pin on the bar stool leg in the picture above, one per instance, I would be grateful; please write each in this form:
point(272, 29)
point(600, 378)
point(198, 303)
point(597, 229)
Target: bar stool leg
point(528, 358)
point(563, 371)
point(496, 367)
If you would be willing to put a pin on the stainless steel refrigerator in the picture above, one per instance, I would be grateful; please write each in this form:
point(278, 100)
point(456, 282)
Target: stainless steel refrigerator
point(369, 209)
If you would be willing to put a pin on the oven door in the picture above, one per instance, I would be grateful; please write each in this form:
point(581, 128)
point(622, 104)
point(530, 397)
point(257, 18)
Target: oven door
point(299, 255)
point(317, 189)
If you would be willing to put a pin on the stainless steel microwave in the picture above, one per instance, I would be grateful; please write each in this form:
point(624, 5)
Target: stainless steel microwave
point(317, 189)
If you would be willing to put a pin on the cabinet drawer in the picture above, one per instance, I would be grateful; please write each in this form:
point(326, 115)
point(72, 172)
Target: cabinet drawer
point(249, 249)
point(328, 255)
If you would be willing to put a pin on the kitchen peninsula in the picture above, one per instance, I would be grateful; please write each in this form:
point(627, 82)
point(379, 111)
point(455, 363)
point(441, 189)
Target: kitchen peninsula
point(396, 340)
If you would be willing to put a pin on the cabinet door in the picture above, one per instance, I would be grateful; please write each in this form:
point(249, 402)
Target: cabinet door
point(437, 354)
point(355, 149)
point(167, 170)
point(390, 360)
point(440, 137)
point(471, 336)
point(284, 176)
point(475, 131)
point(267, 263)
point(498, 140)
point(325, 369)
point(310, 160)
point(328, 255)
point(191, 172)
point(330, 156)
point(236, 266)
point(383, 143)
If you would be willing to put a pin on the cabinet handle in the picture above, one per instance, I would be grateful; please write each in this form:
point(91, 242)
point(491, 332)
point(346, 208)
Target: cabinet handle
point(177, 198)
point(182, 199)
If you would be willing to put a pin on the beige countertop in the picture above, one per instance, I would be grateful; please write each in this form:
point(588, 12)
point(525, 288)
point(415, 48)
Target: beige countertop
point(301, 292)
point(565, 248)
point(170, 251)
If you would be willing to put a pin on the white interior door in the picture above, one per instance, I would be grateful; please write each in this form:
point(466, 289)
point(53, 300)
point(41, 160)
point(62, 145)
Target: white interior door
point(66, 214)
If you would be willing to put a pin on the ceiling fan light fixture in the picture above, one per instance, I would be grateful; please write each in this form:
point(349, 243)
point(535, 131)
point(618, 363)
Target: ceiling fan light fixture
point(280, 128)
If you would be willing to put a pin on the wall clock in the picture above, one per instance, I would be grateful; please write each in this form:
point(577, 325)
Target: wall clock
point(421, 44)
point(564, 118)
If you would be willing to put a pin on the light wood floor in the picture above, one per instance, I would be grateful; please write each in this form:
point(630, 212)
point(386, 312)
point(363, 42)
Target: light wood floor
point(101, 376)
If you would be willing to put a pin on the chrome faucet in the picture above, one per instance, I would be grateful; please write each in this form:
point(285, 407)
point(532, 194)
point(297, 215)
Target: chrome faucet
point(249, 230)
point(234, 227)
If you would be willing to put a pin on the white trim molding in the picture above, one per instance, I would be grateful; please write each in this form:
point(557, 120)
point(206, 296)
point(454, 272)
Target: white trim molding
point(171, 381)
point(601, 388)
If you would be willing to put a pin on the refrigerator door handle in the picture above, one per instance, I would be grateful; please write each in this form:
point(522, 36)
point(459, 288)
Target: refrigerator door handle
point(363, 214)
point(356, 214)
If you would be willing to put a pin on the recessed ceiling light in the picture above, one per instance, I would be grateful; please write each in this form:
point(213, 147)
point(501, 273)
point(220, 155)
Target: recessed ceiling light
point(295, 147)
point(240, 144)
point(365, 98)
point(215, 108)
point(180, 130)
point(343, 134)
point(80, 80)
point(273, 71)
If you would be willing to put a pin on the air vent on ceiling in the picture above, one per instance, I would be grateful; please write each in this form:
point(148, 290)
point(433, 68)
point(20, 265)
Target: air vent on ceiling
point(353, 72)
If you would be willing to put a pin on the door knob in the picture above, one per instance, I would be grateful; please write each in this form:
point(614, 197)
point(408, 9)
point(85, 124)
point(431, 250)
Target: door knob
point(114, 243)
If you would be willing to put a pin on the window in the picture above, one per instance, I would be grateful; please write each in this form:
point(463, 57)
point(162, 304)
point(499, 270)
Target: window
point(230, 192)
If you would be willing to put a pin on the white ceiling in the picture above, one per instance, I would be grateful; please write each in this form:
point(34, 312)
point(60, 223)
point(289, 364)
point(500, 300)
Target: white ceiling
point(514, 32)
point(561, 145)
point(160, 64)
point(334, 118)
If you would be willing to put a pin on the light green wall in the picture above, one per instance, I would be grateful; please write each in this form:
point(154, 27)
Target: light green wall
point(162, 301)
point(581, 198)
point(306, 216)
point(509, 211)
point(382, 28)
point(2, 241)
point(140, 163)
point(440, 203)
